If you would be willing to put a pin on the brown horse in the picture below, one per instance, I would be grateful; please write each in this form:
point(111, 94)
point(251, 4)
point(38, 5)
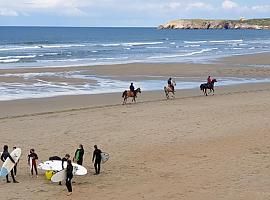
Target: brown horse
point(168, 89)
point(128, 93)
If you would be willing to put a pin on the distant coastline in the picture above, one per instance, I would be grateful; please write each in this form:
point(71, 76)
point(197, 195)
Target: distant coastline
point(242, 23)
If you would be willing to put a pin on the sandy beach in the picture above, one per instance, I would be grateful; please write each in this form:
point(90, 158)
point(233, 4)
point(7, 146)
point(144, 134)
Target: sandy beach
point(192, 147)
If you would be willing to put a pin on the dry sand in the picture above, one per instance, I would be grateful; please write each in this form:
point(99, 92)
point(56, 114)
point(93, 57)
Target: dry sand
point(193, 147)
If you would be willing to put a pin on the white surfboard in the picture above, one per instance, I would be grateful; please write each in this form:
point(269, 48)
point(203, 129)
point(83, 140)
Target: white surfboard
point(104, 157)
point(30, 165)
point(8, 164)
point(59, 176)
point(56, 165)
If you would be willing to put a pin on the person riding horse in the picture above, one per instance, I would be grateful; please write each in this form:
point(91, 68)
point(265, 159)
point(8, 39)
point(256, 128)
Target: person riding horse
point(132, 89)
point(170, 84)
point(209, 80)
point(209, 85)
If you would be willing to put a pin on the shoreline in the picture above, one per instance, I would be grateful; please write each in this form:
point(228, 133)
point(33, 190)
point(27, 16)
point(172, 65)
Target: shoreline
point(69, 103)
point(253, 58)
point(91, 80)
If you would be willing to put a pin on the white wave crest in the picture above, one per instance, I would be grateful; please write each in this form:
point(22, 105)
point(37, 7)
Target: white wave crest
point(10, 61)
point(183, 55)
point(17, 57)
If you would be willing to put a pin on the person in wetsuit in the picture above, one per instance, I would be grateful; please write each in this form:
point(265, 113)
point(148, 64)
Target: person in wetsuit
point(5, 155)
point(132, 89)
point(97, 158)
point(66, 158)
point(79, 155)
point(69, 171)
point(34, 157)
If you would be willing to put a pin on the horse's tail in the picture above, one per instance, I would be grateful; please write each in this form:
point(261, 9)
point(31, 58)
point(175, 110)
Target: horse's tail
point(124, 94)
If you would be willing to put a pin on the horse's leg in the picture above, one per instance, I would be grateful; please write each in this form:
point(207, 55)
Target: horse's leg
point(125, 100)
point(213, 91)
point(205, 91)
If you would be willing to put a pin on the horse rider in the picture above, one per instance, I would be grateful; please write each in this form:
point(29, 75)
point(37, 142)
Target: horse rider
point(170, 84)
point(209, 80)
point(132, 89)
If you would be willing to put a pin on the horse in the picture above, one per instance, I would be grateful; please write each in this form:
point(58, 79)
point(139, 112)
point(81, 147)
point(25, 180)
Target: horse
point(209, 86)
point(127, 94)
point(168, 89)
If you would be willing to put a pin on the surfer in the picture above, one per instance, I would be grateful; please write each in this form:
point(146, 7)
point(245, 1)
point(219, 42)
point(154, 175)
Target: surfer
point(5, 155)
point(32, 161)
point(69, 177)
point(79, 155)
point(97, 158)
point(15, 166)
point(64, 159)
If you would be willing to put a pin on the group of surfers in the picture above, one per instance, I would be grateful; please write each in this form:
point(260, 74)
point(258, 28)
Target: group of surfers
point(33, 160)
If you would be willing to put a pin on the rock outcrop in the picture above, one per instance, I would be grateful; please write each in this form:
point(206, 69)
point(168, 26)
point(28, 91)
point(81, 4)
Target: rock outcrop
point(217, 24)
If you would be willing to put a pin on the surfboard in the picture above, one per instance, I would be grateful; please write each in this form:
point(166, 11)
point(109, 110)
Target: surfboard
point(8, 164)
point(104, 157)
point(59, 176)
point(30, 165)
point(56, 165)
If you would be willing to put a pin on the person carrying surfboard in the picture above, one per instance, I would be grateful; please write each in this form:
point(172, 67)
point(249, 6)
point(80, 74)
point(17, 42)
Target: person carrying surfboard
point(32, 161)
point(79, 155)
point(64, 159)
point(5, 155)
point(97, 158)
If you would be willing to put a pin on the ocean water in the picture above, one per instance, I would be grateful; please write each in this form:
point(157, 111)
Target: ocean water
point(55, 46)
point(44, 47)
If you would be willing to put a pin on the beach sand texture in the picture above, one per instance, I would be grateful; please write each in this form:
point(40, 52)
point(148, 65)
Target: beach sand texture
point(192, 147)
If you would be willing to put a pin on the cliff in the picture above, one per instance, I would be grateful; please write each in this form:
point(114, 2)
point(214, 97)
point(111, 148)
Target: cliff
point(217, 24)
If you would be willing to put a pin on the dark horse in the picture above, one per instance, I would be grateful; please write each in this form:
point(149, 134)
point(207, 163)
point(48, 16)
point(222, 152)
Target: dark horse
point(209, 86)
point(127, 94)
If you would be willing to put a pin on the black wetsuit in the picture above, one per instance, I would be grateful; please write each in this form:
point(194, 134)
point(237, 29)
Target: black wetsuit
point(63, 160)
point(5, 155)
point(34, 158)
point(79, 158)
point(97, 158)
point(69, 177)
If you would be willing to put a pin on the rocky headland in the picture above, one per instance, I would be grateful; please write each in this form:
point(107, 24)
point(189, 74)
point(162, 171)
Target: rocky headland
point(217, 24)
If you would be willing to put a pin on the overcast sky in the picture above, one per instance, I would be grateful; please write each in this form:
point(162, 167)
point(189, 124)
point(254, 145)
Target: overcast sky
point(124, 12)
